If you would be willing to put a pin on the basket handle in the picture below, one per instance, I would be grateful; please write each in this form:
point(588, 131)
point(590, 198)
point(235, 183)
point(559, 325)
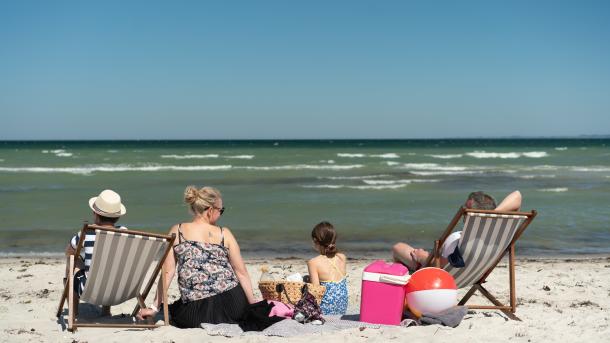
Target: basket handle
point(280, 288)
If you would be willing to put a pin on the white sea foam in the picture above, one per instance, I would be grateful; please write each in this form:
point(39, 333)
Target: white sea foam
point(243, 157)
point(555, 190)
point(353, 177)
point(323, 186)
point(397, 182)
point(386, 182)
point(433, 173)
point(375, 187)
point(188, 157)
point(544, 167)
point(378, 186)
point(85, 170)
point(392, 163)
point(114, 168)
point(432, 166)
point(539, 176)
point(344, 154)
point(446, 156)
point(561, 148)
point(112, 151)
point(303, 167)
point(592, 169)
point(535, 154)
point(505, 155)
point(388, 155)
point(1, 160)
point(58, 152)
point(595, 169)
point(353, 155)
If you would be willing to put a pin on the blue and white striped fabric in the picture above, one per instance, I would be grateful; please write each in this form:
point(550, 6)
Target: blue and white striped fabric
point(87, 250)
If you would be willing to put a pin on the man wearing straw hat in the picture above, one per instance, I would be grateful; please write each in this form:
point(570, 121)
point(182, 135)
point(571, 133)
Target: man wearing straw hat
point(107, 209)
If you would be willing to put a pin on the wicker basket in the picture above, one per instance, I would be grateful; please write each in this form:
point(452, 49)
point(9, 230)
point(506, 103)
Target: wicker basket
point(272, 290)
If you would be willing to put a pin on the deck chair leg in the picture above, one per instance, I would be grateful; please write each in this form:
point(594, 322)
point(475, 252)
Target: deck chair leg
point(511, 275)
point(162, 279)
point(71, 304)
point(495, 301)
point(467, 295)
point(64, 294)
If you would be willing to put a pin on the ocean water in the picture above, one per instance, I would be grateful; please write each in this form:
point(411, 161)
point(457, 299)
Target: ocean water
point(375, 192)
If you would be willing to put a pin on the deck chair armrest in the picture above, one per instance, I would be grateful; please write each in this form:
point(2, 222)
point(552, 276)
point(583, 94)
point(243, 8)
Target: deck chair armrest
point(434, 258)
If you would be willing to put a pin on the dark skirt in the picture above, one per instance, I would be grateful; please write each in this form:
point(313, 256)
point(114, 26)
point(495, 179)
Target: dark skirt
point(227, 307)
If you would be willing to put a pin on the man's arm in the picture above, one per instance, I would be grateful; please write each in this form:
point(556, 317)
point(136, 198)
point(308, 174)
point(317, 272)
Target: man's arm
point(512, 202)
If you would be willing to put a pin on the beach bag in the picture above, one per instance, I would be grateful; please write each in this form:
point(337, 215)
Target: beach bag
point(307, 308)
point(282, 290)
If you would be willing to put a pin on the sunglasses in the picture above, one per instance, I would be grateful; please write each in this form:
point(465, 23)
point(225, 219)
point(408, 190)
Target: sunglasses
point(221, 210)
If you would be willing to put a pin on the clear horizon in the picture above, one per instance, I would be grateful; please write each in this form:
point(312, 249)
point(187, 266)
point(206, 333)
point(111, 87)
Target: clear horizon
point(277, 70)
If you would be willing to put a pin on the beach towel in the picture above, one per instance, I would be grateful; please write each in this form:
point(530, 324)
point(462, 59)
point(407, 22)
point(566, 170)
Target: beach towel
point(451, 317)
point(292, 328)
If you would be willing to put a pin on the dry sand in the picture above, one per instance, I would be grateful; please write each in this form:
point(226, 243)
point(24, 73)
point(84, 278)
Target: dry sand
point(559, 299)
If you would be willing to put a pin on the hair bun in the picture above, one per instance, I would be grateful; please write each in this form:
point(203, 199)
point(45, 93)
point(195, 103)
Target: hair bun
point(191, 194)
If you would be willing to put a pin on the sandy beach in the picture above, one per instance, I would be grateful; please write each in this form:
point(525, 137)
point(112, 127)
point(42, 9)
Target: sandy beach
point(558, 299)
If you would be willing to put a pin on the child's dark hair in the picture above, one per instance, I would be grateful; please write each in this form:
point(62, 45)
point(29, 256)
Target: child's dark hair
point(325, 236)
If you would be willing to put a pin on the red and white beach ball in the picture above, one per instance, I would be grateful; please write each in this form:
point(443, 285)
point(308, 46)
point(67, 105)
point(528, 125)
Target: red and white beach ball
point(430, 290)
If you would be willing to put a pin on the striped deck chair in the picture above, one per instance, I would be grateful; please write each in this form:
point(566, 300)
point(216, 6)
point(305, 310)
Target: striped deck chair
point(121, 260)
point(486, 238)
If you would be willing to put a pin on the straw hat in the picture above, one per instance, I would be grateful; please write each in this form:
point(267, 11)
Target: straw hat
point(107, 204)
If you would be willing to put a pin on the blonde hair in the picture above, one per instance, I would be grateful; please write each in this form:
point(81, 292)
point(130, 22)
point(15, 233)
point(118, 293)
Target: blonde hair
point(201, 199)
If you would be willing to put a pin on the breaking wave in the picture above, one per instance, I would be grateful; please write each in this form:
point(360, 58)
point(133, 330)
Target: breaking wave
point(189, 157)
point(446, 156)
point(352, 155)
point(375, 187)
point(555, 190)
point(505, 155)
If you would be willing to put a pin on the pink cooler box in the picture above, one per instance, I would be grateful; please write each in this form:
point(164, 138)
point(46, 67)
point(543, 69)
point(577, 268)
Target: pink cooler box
point(383, 293)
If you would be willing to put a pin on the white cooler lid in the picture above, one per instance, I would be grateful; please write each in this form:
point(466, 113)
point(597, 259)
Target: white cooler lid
point(386, 278)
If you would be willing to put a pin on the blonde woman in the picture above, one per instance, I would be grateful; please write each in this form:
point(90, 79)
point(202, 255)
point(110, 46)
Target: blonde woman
point(214, 284)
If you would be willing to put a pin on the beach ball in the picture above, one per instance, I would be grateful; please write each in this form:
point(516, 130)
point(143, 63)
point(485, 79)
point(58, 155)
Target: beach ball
point(430, 290)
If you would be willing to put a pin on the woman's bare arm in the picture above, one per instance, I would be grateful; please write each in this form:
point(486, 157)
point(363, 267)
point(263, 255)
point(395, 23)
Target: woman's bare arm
point(312, 269)
point(237, 262)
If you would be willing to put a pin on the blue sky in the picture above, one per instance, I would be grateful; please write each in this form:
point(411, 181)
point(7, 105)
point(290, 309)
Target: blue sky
point(311, 69)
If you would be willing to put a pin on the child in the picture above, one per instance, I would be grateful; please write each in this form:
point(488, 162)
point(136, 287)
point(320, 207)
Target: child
point(328, 269)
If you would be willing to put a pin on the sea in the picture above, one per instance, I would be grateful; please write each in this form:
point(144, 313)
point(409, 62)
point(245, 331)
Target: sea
point(375, 192)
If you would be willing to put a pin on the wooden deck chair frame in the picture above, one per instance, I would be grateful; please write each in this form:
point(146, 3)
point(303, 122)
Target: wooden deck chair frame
point(68, 292)
point(434, 261)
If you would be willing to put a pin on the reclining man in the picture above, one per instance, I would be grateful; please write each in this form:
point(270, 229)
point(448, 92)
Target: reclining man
point(415, 258)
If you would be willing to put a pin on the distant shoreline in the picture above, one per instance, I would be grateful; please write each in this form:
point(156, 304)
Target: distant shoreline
point(318, 140)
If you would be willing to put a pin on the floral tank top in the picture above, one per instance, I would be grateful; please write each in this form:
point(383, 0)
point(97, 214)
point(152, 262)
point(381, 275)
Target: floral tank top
point(203, 268)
